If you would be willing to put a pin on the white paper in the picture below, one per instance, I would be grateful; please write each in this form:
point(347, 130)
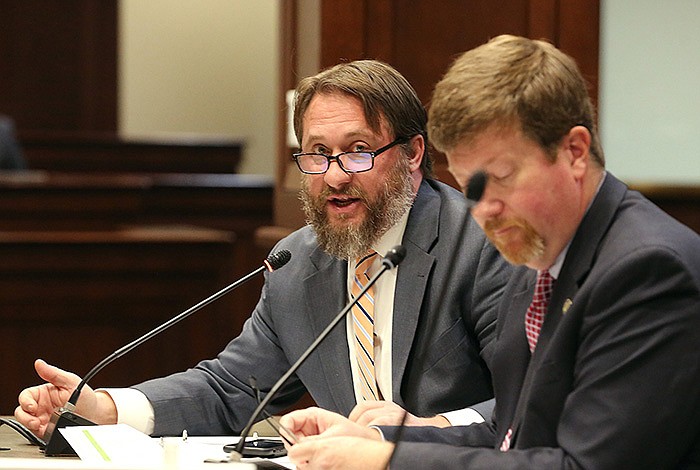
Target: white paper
point(122, 446)
point(116, 443)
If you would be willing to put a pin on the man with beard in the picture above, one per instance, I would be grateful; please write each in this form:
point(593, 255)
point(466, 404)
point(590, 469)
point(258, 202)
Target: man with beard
point(597, 364)
point(365, 189)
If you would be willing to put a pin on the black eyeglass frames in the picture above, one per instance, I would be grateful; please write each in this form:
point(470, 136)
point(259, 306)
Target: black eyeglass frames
point(313, 163)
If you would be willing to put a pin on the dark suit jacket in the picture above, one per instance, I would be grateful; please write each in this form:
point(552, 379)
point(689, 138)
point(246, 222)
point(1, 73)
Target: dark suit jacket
point(10, 153)
point(615, 380)
point(440, 312)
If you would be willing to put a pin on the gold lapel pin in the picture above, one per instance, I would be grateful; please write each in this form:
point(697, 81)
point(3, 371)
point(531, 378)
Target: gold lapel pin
point(567, 304)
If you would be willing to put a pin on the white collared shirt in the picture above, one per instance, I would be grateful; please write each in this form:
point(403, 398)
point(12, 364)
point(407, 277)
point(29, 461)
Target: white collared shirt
point(384, 291)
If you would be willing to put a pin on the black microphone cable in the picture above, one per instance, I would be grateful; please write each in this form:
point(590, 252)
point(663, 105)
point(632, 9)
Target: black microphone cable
point(271, 263)
point(56, 445)
point(390, 261)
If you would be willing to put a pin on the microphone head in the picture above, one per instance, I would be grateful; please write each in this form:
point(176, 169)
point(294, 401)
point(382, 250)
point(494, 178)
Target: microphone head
point(277, 260)
point(476, 186)
point(394, 256)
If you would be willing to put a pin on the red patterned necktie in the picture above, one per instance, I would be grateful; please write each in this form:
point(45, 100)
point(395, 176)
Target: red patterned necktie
point(533, 325)
point(535, 313)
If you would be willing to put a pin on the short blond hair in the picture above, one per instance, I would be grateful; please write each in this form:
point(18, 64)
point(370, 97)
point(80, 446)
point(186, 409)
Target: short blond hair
point(510, 81)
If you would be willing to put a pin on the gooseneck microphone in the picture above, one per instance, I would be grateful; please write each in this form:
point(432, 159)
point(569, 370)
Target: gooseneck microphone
point(390, 261)
point(65, 416)
point(475, 188)
point(474, 192)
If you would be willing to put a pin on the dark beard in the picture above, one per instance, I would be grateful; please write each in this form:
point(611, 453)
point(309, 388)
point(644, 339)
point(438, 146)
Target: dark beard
point(352, 241)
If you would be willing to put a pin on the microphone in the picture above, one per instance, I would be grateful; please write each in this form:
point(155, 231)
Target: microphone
point(474, 192)
point(62, 417)
point(390, 261)
point(476, 187)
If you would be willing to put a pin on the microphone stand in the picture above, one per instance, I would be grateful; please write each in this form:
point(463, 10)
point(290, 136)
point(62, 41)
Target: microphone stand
point(390, 261)
point(56, 445)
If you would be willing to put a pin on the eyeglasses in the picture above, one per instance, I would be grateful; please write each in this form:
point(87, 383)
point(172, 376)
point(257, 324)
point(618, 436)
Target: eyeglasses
point(350, 162)
point(283, 432)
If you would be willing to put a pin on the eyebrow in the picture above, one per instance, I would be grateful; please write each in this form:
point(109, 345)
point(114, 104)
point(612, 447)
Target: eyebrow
point(355, 135)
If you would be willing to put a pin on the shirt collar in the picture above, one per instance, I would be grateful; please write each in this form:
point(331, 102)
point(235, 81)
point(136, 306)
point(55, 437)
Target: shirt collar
point(391, 237)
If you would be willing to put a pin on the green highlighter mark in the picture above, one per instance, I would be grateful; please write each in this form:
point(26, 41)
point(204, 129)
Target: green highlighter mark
point(97, 446)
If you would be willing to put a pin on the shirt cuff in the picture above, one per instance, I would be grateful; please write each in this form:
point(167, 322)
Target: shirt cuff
point(133, 408)
point(463, 417)
point(381, 434)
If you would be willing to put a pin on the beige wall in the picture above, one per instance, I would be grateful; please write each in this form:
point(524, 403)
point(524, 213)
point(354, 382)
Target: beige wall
point(650, 90)
point(202, 67)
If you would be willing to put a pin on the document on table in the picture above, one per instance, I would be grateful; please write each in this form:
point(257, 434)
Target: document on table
point(124, 446)
point(116, 443)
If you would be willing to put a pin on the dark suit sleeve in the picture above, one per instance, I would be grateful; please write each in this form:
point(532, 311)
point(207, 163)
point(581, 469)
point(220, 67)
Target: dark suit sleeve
point(11, 157)
point(214, 397)
point(634, 400)
point(474, 435)
point(490, 280)
point(485, 409)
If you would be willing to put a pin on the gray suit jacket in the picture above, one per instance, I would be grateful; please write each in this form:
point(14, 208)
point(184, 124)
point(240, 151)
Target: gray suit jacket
point(441, 314)
point(615, 380)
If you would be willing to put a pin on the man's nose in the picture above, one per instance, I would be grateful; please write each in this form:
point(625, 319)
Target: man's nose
point(487, 208)
point(335, 176)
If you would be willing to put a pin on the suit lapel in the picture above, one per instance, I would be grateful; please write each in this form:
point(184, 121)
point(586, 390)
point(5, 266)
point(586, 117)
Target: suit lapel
point(577, 264)
point(412, 280)
point(326, 293)
point(581, 256)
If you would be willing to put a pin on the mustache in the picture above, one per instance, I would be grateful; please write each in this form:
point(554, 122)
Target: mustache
point(351, 191)
point(492, 225)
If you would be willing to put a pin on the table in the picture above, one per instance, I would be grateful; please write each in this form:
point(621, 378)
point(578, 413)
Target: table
point(25, 456)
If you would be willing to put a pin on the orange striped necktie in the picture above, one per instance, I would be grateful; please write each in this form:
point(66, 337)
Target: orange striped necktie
point(363, 327)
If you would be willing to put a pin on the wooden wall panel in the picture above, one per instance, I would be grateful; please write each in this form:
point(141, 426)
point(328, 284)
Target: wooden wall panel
point(106, 153)
point(343, 25)
point(59, 64)
point(90, 262)
point(579, 35)
point(72, 298)
point(421, 38)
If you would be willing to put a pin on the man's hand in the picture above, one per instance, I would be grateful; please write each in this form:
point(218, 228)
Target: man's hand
point(329, 440)
point(36, 404)
point(316, 421)
point(387, 413)
point(340, 452)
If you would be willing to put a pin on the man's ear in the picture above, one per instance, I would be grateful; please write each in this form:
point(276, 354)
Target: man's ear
point(577, 146)
point(417, 151)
